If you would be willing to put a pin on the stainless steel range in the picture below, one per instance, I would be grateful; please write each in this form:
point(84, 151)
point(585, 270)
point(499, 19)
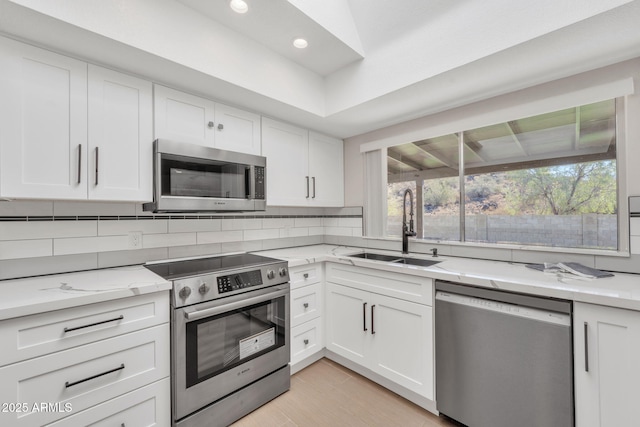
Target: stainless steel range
point(229, 336)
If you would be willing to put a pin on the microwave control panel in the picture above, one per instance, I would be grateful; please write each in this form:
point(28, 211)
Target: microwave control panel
point(259, 182)
point(234, 282)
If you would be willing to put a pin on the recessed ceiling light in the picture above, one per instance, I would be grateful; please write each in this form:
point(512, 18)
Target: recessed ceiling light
point(239, 6)
point(300, 43)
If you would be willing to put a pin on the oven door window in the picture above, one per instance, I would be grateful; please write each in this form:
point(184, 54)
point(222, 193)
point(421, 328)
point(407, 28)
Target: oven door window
point(219, 343)
point(187, 177)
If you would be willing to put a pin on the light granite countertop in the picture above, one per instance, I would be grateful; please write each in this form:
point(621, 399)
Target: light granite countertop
point(622, 290)
point(22, 297)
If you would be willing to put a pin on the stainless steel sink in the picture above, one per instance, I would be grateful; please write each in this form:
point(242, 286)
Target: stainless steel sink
point(395, 259)
point(415, 261)
point(375, 257)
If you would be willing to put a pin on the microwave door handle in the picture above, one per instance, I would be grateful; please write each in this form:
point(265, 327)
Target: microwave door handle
point(250, 182)
point(214, 311)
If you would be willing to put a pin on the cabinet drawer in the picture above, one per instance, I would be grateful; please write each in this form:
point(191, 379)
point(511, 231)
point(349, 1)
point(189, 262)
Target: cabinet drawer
point(146, 406)
point(306, 339)
point(306, 303)
point(397, 285)
point(33, 336)
point(84, 376)
point(305, 275)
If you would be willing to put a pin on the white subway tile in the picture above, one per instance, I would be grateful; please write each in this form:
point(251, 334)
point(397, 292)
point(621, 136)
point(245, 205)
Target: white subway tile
point(138, 256)
point(123, 227)
point(277, 222)
point(635, 226)
point(23, 230)
point(330, 222)
point(308, 222)
point(194, 250)
point(242, 224)
point(350, 222)
point(219, 237)
point(194, 225)
point(26, 249)
point(316, 231)
point(81, 245)
point(338, 231)
point(269, 233)
point(357, 232)
point(24, 267)
point(166, 240)
point(635, 245)
point(248, 246)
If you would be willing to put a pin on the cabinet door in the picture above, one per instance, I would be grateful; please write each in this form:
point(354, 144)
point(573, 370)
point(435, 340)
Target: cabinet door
point(43, 123)
point(237, 130)
point(120, 136)
point(347, 322)
point(183, 117)
point(607, 350)
point(326, 170)
point(402, 349)
point(286, 148)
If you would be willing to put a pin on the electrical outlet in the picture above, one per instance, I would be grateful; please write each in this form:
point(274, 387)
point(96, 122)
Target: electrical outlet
point(135, 240)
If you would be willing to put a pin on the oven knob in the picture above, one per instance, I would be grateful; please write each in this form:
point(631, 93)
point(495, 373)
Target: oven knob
point(271, 274)
point(203, 289)
point(282, 272)
point(184, 292)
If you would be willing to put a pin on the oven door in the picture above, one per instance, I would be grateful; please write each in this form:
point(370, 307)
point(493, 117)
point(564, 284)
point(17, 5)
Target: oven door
point(223, 345)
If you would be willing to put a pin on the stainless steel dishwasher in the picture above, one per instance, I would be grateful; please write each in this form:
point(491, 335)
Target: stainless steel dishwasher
point(503, 359)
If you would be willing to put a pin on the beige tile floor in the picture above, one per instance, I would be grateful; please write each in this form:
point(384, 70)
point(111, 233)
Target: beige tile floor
point(327, 394)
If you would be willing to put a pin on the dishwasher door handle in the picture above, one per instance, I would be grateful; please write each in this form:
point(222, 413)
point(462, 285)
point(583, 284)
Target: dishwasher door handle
point(586, 347)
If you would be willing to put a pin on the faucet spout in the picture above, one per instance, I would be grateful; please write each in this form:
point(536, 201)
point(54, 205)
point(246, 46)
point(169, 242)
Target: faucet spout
point(407, 228)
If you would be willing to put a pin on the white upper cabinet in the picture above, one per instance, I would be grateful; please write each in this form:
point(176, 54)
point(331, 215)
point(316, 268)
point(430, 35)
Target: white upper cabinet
point(303, 168)
point(326, 170)
point(120, 136)
point(183, 117)
point(43, 123)
point(71, 131)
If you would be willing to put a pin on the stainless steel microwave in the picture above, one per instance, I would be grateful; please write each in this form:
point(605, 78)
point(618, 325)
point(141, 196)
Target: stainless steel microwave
point(193, 178)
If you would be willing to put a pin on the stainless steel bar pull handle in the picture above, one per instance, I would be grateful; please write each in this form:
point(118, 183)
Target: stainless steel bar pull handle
point(307, 186)
point(364, 317)
point(97, 166)
point(79, 163)
point(313, 179)
point(93, 377)
point(373, 331)
point(115, 319)
point(586, 347)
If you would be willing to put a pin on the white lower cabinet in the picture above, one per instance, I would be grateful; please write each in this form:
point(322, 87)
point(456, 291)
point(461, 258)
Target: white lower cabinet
point(148, 406)
point(307, 307)
point(607, 350)
point(113, 349)
point(390, 336)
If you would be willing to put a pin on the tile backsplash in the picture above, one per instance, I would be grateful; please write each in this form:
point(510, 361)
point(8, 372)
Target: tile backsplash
point(50, 237)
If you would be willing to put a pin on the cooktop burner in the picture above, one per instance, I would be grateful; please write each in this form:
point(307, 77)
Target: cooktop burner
point(171, 270)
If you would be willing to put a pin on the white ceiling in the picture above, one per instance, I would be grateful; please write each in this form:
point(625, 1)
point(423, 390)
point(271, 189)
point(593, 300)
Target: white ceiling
point(370, 63)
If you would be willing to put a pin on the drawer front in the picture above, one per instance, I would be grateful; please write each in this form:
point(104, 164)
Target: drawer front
point(85, 376)
point(306, 339)
point(305, 275)
point(33, 336)
point(146, 406)
point(397, 285)
point(306, 303)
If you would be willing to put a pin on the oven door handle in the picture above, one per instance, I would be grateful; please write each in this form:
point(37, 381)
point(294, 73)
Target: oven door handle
point(195, 314)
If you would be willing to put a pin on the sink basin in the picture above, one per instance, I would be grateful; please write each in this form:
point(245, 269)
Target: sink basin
point(376, 257)
point(395, 259)
point(415, 261)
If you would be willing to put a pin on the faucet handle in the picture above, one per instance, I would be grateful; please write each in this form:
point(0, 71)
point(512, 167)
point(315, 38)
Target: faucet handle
point(434, 251)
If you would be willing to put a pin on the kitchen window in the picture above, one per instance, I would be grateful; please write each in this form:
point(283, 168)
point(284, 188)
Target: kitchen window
point(545, 180)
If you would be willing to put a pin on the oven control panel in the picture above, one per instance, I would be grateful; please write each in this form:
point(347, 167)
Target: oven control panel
point(234, 282)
